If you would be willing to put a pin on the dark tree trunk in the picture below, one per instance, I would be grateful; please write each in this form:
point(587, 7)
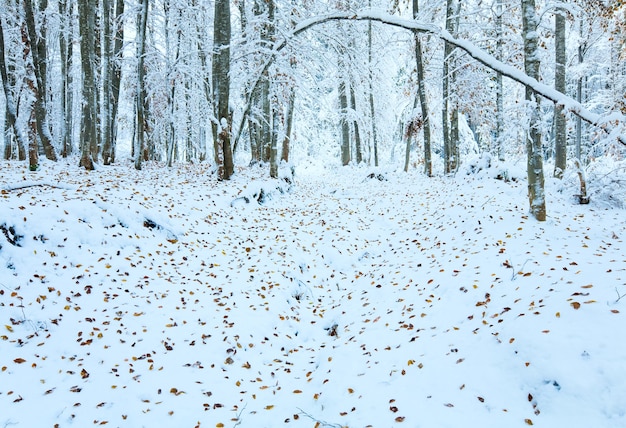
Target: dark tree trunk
point(221, 88)
point(560, 122)
point(140, 124)
point(88, 117)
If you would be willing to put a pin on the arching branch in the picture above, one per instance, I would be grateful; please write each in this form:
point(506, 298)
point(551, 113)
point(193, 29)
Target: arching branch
point(612, 124)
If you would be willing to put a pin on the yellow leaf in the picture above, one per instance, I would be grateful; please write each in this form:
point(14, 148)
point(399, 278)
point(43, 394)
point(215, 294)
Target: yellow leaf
point(558, 315)
point(297, 391)
point(575, 305)
point(8, 327)
point(528, 422)
point(270, 407)
point(219, 425)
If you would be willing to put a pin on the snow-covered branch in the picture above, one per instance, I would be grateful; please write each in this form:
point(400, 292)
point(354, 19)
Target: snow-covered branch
point(613, 124)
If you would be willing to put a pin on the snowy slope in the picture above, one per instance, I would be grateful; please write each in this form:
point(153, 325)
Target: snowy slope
point(159, 298)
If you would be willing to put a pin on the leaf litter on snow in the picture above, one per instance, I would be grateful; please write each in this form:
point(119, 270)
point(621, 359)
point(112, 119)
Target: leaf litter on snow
point(144, 299)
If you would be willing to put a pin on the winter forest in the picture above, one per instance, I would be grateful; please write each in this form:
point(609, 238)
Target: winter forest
point(333, 213)
point(425, 84)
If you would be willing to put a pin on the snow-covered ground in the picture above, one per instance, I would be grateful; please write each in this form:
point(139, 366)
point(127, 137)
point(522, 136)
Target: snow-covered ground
point(161, 298)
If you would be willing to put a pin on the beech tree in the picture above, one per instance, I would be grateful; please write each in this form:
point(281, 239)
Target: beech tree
point(534, 149)
point(10, 112)
point(38, 51)
point(450, 111)
point(421, 94)
point(560, 123)
point(221, 90)
point(88, 133)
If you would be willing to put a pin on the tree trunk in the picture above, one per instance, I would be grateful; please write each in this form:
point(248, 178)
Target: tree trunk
point(499, 83)
point(289, 125)
point(140, 145)
point(447, 51)
point(107, 83)
point(39, 56)
point(116, 77)
point(560, 123)
point(66, 50)
point(421, 89)
point(276, 119)
point(536, 189)
point(345, 126)
point(88, 118)
point(371, 90)
point(10, 108)
point(221, 88)
point(357, 134)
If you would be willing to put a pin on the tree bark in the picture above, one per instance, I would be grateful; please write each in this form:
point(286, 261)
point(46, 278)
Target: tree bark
point(536, 189)
point(221, 88)
point(343, 119)
point(66, 50)
point(10, 109)
point(140, 125)
point(289, 125)
point(357, 134)
point(39, 56)
point(499, 83)
point(107, 83)
point(560, 122)
point(116, 77)
point(88, 117)
point(371, 91)
point(421, 89)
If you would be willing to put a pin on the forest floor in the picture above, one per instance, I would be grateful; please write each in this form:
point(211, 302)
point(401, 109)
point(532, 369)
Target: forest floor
point(163, 298)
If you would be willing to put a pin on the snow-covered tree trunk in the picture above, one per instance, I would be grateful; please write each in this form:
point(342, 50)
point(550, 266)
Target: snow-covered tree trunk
point(421, 92)
point(343, 113)
point(355, 126)
point(449, 114)
point(579, 92)
point(221, 89)
point(86, 24)
point(10, 108)
point(289, 125)
point(140, 96)
point(66, 52)
point(40, 60)
point(560, 123)
point(107, 90)
point(374, 138)
point(499, 83)
point(536, 189)
point(170, 145)
point(116, 76)
point(275, 113)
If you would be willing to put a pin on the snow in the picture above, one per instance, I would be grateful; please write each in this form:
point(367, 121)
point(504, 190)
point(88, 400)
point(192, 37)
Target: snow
point(149, 298)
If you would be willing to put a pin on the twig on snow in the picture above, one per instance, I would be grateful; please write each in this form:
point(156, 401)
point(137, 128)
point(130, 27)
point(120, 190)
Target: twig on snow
point(239, 416)
point(320, 422)
point(28, 184)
